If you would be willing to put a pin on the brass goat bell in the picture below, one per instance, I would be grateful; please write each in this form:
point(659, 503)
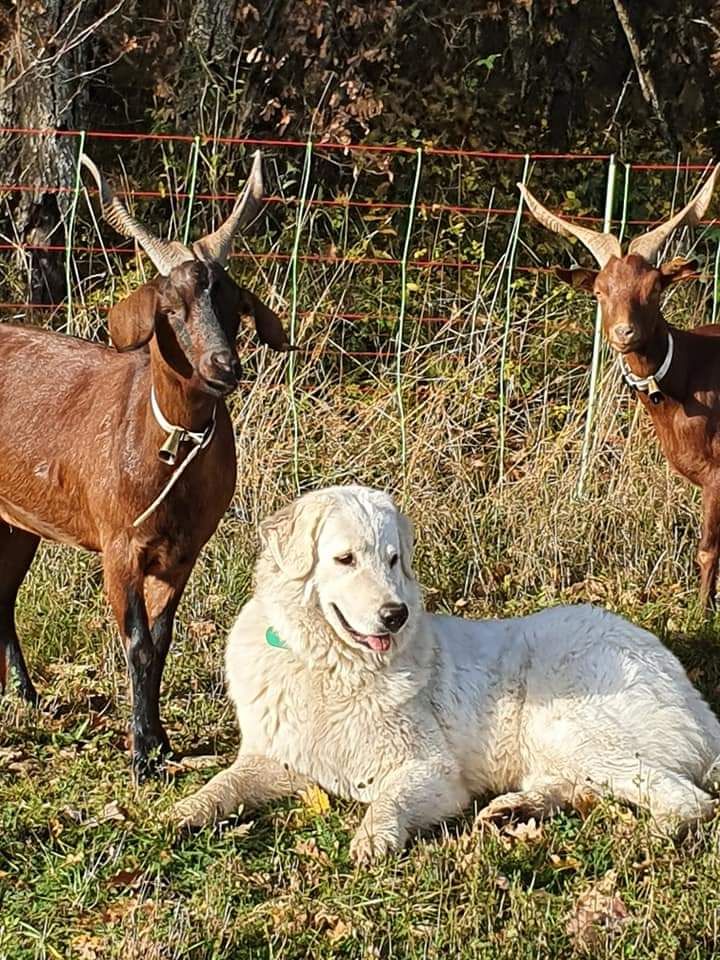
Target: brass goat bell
point(169, 450)
point(654, 392)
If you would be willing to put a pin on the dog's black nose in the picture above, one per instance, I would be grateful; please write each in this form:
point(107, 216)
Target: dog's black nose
point(393, 616)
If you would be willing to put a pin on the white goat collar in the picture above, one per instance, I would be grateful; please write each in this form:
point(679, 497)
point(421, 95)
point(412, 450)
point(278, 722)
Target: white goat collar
point(169, 450)
point(648, 384)
point(178, 435)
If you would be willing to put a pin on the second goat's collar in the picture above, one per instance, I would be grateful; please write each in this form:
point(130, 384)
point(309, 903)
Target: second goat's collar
point(648, 384)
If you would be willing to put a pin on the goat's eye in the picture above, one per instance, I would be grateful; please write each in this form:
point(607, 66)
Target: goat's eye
point(393, 560)
point(345, 559)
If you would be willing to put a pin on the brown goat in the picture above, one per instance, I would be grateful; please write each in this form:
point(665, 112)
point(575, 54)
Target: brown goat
point(88, 445)
point(676, 373)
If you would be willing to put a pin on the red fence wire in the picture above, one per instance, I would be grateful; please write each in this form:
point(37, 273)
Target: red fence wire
point(387, 148)
point(346, 202)
point(341, 202)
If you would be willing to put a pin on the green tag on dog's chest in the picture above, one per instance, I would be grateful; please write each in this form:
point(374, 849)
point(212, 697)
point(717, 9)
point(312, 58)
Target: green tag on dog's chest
point(273, 640)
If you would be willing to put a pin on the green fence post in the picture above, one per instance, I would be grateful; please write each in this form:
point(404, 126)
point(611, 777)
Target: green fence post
point(403, 309)
point(193, 181)
point(69, 232)
point(597, 342)
point(626, 189)
point(502, 402)
point(304, 185)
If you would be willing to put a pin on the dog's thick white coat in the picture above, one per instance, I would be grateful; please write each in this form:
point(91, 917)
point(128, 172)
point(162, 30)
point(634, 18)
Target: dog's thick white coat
point(534, 710)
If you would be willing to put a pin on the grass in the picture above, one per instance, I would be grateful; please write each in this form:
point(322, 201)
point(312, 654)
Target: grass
point(87, 867)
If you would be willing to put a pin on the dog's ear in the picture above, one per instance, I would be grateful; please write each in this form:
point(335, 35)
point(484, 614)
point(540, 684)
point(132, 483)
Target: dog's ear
point(290, 536)
point(407, 544)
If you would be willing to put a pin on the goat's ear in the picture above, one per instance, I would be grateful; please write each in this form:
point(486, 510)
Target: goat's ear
point(267, 323)
point(579, 277)
point(291, 535)
point(407, 544)
point(678, 269)
point(131, 323)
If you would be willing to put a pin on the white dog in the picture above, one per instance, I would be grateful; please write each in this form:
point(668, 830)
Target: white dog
point(340, 677)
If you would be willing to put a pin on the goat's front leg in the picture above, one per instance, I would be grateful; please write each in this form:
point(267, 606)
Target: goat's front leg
point(124, 584)
point(252, 780)
point(162, 596)
point(709, 550)
point(418, 794)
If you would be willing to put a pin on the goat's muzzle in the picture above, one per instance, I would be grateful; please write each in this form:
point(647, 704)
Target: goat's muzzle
point(623, 338)
point(220, 371)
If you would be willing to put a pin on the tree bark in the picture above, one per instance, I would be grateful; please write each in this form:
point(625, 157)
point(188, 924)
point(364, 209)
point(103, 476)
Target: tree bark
point(46, 63)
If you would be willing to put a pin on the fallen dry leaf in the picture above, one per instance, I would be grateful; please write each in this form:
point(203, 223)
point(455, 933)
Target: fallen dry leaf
point(111, 812)
point(241, 830)
point(309, 848)
point(598, 913)
point(585, 802)
point(193, 763)
point(200, 629)
point(589, 589)
point(340, 931)
point(564, 863)
point(119, 909)
point(131, 878)
point(87, 946)
point(9, 755)
point(287, 918)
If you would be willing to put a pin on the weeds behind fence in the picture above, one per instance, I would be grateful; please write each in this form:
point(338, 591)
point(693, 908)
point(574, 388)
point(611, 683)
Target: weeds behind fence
point(438, 355)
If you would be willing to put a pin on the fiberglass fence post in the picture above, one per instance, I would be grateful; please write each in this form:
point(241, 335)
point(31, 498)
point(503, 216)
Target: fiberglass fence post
point(716, 289)
point(70, 230)
point(597, 342)
point(626, 191)
point(304, 185)
point(502, 401)
point(403, 308)
point(195, 152)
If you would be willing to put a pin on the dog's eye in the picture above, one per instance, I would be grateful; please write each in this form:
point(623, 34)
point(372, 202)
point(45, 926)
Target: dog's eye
point(393, 560)
point(346, 559)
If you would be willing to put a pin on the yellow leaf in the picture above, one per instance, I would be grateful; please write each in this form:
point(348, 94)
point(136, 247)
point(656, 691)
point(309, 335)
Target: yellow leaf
point(564, 863)
point(315, 801)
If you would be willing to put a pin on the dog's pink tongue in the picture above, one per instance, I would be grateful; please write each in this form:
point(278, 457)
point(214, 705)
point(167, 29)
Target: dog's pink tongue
point(379, 642)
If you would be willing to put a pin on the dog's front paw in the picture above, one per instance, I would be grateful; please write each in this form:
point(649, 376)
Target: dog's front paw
point(191, 812)
point(513, 806)
point(368, 847)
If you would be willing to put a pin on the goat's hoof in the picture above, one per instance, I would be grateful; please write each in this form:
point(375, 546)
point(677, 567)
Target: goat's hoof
point(30, 695)
point(26, 691)
point(149, 757)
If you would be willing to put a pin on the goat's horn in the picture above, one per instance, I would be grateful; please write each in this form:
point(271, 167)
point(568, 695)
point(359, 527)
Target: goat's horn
point(163, 253)
point(216, 246)
point(602, 246)
point(692, 213)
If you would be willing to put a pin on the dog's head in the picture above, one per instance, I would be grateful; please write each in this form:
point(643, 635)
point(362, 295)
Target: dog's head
point(349, 551)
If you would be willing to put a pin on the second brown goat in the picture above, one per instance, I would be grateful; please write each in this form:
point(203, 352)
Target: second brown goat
point(129, 450)
point(675, 373)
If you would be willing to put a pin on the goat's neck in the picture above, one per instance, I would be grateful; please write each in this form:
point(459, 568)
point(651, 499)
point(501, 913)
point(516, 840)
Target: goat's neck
point(646, 362)
point(181, 402)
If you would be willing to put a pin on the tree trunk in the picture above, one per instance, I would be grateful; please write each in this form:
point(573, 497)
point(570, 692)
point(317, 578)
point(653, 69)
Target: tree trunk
point(46, 58)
